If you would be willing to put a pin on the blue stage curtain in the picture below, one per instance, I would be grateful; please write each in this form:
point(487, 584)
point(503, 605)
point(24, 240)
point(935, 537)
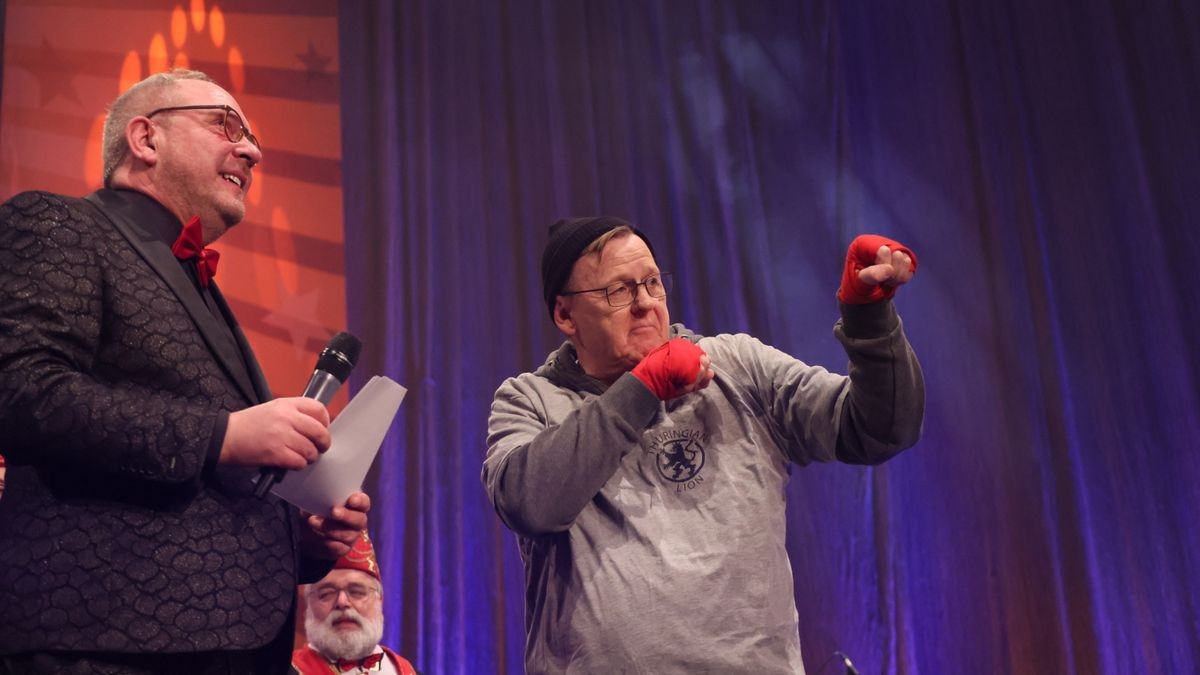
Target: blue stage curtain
point(1042, 159)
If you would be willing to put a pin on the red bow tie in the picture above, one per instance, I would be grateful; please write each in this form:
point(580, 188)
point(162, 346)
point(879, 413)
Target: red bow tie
point(372, 662)
point(190, 245)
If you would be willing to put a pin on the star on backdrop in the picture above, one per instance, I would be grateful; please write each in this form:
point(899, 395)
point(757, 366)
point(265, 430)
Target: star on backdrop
point(296, 314)
point(55, 75)
point(314, 62)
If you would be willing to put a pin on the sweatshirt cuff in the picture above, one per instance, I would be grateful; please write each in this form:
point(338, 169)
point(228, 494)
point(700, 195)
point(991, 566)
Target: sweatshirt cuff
point(876, 319)
point(633, 401)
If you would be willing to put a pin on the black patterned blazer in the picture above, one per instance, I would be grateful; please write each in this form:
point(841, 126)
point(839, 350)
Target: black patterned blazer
point(118, 531)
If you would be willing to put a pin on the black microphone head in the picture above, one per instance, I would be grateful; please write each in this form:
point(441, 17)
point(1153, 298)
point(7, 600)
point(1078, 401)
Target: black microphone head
point(340, 355)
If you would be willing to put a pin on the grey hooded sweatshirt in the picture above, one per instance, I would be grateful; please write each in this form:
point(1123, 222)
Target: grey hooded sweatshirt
point(653, 532)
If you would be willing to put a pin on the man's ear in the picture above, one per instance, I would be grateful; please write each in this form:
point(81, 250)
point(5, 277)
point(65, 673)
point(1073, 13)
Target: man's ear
point(141, 137)
point(562, 316)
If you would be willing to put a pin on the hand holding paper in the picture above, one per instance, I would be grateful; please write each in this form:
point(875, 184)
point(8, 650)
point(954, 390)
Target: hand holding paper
point(330, 538)
point(357, 434)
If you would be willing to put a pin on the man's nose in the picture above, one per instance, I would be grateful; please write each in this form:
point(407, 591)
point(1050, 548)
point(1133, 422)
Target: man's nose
point(248, 151)
point(342, 599)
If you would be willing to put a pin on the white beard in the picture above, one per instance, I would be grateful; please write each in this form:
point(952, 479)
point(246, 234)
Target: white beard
point(343, 644)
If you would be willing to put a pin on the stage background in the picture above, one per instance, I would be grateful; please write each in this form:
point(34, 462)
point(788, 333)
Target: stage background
point(1040, 157)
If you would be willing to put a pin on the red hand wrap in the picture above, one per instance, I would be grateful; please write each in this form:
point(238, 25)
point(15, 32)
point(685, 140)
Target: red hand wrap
point(670, 368)
point(855, 291)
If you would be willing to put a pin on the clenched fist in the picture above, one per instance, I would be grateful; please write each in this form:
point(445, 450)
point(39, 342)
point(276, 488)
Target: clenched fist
point(676, 368)
point(875, 266)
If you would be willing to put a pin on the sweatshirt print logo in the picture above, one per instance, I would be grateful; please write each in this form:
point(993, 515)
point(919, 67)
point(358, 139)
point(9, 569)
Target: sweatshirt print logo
point(679, 454)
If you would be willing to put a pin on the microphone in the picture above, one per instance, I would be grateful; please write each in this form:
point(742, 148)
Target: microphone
point(850, 669)
point(333, 367)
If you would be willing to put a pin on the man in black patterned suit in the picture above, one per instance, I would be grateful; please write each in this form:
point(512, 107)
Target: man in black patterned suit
point(133, 415)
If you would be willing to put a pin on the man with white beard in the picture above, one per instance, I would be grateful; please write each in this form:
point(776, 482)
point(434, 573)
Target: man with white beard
point(344, 620)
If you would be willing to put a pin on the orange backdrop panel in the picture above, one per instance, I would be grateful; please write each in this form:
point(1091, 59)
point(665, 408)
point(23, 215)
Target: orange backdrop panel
point(282, 268)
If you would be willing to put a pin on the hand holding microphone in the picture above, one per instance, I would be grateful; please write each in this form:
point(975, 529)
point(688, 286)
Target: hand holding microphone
point(290, 433)
point(675, 368)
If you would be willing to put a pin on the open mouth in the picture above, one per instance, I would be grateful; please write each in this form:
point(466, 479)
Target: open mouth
point(236, 180)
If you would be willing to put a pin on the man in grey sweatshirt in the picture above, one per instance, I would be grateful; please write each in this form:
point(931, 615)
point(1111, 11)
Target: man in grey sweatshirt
point(643, 466)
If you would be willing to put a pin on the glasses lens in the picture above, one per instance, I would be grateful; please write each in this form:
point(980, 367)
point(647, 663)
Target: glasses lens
point(234, 129)
point(656, 286)
point(619, 294)
point(356, 594)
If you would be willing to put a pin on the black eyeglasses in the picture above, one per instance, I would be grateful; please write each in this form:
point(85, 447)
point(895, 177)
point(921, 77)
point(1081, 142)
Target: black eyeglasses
point(622, 293)
point(235, 128)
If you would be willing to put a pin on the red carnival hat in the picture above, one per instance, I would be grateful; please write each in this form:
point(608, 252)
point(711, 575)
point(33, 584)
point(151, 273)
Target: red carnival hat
point(360, 557)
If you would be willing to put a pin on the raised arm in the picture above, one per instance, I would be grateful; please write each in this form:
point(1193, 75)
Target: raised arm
point(884, 405)
point(877, 410)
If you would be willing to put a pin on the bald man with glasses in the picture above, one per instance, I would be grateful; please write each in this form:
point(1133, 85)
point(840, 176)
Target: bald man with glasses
point(134, 416)
point(643, 466)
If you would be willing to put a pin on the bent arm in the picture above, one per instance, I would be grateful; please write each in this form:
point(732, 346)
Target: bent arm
point(541, 476)
point(58, 407)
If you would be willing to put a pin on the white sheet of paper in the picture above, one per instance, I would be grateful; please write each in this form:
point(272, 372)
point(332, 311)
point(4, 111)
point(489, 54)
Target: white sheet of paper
point(357, 434)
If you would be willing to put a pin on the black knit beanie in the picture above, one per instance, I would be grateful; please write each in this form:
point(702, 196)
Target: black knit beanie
point(568, 238)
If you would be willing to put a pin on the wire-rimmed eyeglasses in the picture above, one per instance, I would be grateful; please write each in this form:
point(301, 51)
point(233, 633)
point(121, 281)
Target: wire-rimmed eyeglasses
point(621, 293)
point(356, 593)
point(235, 129)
